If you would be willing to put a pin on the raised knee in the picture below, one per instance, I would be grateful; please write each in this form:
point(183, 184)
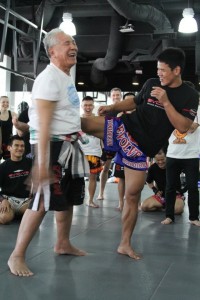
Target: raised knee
point(6, 218)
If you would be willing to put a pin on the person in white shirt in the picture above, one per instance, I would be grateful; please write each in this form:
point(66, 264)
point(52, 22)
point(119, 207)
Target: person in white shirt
point(93, 151)
point(183, 155)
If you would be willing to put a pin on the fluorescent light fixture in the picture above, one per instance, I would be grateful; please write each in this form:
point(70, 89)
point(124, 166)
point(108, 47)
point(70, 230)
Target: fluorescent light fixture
point(188, 24)
point(135, 81)
point(80, 82)
point(67, 25)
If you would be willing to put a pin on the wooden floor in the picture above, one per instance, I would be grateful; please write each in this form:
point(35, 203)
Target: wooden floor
point(169, 270)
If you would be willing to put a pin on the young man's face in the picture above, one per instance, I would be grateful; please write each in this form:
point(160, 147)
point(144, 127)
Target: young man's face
point(88, 106)
point(166, 75)
point(161, 160)
point(17, 150)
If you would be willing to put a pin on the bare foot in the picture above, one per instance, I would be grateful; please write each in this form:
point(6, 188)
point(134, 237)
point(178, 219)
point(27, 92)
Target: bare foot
point(129, 252)
point(195, 222)
point(100, 197)
point(93, 205)
point(167, 221)
point(119, 208)
point(69, 250)
point(18, 266)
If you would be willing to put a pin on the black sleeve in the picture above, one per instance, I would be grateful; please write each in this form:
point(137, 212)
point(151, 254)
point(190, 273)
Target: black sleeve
point(150, 177)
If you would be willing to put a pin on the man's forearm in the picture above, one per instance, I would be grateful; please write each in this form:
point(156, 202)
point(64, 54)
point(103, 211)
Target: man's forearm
point(124, 105)
point(23, 127)
point(181, 123)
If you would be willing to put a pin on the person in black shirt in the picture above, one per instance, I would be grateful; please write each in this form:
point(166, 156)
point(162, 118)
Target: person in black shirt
point(14, 195)
point(156, 180)
point(163, 104)
point(23, 118)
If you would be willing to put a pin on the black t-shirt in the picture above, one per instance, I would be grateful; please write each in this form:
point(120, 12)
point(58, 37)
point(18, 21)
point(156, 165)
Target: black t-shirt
point(6, 128)
point(23, 117)
point(157, 175)
point(149, 124)
point(13, 175)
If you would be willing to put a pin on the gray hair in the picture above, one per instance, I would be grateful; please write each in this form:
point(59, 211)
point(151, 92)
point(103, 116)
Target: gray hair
point(115, 89)
point(51, 39)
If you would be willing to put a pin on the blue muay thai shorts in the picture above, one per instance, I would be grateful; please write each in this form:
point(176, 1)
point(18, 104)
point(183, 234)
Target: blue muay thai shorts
point(116, 138)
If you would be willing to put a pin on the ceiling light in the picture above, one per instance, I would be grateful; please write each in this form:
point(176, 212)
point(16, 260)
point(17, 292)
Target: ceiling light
point(67, 25)
point(80, 80)
point(188, 24)
point(135, 81)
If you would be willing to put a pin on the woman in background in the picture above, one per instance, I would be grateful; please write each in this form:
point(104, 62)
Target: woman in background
point(6, 126)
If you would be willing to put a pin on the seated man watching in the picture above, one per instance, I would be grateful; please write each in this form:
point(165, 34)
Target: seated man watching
point(14, 196)
point(156, 180)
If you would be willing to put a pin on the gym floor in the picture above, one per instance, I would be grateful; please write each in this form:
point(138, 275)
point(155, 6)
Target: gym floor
point(169, 269)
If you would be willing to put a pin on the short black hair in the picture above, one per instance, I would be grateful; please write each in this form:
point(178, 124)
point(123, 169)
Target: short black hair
point(88, 98)
point(15, 137)
point(128, 94)
point(173, 57)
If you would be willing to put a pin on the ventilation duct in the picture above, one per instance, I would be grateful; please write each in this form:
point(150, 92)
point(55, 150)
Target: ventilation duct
point(113, 53)
point(25, 46)
point(130, 11)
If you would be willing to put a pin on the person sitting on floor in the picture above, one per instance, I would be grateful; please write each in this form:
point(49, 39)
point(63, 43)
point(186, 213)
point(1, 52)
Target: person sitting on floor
point(156, 180)
point(14, 196)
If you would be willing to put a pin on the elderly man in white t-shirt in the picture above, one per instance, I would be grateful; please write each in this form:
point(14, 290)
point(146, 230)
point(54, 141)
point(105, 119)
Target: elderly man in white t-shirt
point(54, 123)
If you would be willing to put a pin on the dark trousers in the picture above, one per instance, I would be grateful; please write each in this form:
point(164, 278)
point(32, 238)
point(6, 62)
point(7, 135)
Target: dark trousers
point(190, 167)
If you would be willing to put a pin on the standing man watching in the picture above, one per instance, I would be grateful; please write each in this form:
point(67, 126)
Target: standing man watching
point(107, 156)
point(54, 125)
point(183, 156)
point(163, 104)
point(92, 150)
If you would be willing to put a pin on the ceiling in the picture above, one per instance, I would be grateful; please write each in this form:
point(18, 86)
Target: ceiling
point(107, 58)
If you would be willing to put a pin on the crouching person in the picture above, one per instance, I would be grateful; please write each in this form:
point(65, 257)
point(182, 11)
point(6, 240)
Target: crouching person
point(14, 195)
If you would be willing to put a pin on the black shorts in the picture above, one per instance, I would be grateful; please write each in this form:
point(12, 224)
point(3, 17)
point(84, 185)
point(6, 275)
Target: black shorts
point(106, 155)
point(118, 171)
point(65, 191)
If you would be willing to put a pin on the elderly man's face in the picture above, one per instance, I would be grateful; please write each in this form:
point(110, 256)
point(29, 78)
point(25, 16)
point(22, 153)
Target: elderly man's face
point(64, 53)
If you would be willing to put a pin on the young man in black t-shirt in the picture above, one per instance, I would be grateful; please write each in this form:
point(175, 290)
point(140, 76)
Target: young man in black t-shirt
point(162, 104)
point(14, 195)
point(156, 180)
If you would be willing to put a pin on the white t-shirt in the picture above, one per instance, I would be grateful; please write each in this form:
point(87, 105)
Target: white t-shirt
point(186, 147)
point(54, 85)
point(93, 147)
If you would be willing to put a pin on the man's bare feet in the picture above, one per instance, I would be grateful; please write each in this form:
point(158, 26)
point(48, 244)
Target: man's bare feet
point(100, 197)
point(129, 252)
point(118, 208)
point(93, 205)
point(69, 250)
point(195, 222)
point(167, 221)
point(18, 266)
